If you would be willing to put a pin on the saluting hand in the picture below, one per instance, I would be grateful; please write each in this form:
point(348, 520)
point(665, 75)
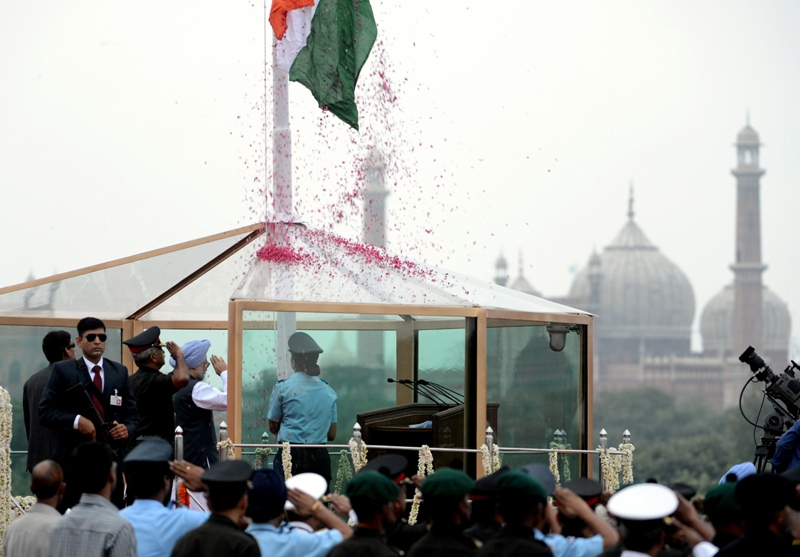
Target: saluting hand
point(219, 364)
point(174, 350)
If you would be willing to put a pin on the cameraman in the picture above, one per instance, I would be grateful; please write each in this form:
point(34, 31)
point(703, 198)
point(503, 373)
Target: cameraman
point(787, 450)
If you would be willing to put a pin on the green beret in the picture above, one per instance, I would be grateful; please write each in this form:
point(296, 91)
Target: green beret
point(720, 501)
point(373, 485)
point(519, 482)
point(447, 482)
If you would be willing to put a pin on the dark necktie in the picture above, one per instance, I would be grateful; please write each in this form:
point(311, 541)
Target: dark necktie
point(98, 382)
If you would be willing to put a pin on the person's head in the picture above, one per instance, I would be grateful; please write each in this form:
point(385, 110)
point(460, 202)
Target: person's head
point(484, 498)
point(588, 490)
point(266, 496)
point(147, 469)
point(227, 486)
point(195, 352)
point(372, 495)
point(147, 349)
point(95, 469)
point(47, 482)
point(445, 494)
point(765, 500)
point(58, 346)
point(520, 498)
point(393, 466)
point(305, 352)
point(721, 507)
point(641, 510)
point(91, 338)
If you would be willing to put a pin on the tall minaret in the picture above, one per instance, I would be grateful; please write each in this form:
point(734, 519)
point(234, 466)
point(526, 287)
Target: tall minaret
point(748, 309)
point(371, 343)
point(375, 194)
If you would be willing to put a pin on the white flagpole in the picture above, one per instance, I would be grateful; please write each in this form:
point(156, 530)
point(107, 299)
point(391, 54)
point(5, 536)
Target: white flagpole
point(282, 200)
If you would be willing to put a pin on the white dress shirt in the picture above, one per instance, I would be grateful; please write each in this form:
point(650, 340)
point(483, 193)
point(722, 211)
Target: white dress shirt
point(210, 398)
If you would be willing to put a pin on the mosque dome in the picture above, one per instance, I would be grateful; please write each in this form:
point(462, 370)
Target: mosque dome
point(716, 323)
point(641, 293)
point(748, 136)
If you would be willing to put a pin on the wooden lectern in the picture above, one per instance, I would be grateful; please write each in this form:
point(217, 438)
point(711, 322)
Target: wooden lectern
point(390, 426)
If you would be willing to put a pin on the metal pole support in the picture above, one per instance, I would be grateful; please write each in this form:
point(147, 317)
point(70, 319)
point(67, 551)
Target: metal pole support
point(490, 446)
point(223, 436)
point(178, 447)
point(603, 446)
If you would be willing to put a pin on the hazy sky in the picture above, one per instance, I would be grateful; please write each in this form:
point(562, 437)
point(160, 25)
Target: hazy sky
point(517, 127)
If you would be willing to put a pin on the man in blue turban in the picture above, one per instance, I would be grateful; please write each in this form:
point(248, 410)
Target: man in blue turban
point(196, 402)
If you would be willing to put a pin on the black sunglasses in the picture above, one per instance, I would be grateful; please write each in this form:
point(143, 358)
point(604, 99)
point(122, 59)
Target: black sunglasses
point(91, 336)
point(71, 346)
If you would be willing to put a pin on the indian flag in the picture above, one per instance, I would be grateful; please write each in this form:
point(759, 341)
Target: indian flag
point(323, 45)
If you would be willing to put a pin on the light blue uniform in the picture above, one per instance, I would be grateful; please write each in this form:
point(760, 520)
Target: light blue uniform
point(158, 528)
point(562, 546)
point(306, 408)
point(291, 542)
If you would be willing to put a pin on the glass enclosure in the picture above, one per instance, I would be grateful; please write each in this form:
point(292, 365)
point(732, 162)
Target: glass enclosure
point(468, 351)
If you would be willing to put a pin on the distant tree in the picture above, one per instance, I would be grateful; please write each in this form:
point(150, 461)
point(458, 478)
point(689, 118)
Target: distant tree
point(680, 442)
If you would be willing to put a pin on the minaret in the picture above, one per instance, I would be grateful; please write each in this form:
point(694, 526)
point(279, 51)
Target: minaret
point(375, 194)
point(501, 271)
point(371, 343)
point(748, 309)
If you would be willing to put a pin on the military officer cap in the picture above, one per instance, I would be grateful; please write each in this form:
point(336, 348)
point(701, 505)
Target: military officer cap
point(393, 466)
point(308, 482)
point(720, 504)
point(684, 489)
point(267, 493)
point(144, 340)
point(543, 474)
point(518, 481)
point(643, 502)
point(447, 482)
point(153, 450)
point(487, 486)
point(302, 343)
point(229, 474)
point(586, 489)
point(373, 486)
point(741, 471)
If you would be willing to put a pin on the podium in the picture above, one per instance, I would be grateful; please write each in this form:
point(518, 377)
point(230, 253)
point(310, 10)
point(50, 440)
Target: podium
point(390, 426)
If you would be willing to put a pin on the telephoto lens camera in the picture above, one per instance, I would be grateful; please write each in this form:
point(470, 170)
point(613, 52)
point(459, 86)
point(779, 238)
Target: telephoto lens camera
point(783, 387)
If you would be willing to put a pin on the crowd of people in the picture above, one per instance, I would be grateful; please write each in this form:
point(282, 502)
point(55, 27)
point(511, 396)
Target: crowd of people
point(256, 513)
point(87, 421)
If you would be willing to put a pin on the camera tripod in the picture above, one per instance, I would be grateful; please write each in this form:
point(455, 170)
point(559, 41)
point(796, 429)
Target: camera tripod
point(774, 426)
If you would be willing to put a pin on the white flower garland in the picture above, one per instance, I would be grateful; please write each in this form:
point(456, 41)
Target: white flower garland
point(611, 466)
point(344, 473)
point(424, 468)
point(7, 513)
point(229, 444)
point(486, 460)
point(24, 501)
point(627, 462)
point(359, 459)
point(497, 461)
point(286, 459)
point(554, 463)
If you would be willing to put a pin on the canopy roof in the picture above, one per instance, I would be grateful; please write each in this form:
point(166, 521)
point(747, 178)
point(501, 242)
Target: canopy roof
point(192, 280)
point(298, 264)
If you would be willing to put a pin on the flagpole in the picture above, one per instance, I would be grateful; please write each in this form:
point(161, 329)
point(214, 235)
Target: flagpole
point(282, 200)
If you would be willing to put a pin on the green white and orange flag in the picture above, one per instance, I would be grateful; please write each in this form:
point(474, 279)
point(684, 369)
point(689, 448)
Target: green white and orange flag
point(323, 45)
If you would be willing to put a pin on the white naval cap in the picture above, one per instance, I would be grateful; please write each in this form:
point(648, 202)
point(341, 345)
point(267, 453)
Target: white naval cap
point(308, 482)
point(643, 502)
